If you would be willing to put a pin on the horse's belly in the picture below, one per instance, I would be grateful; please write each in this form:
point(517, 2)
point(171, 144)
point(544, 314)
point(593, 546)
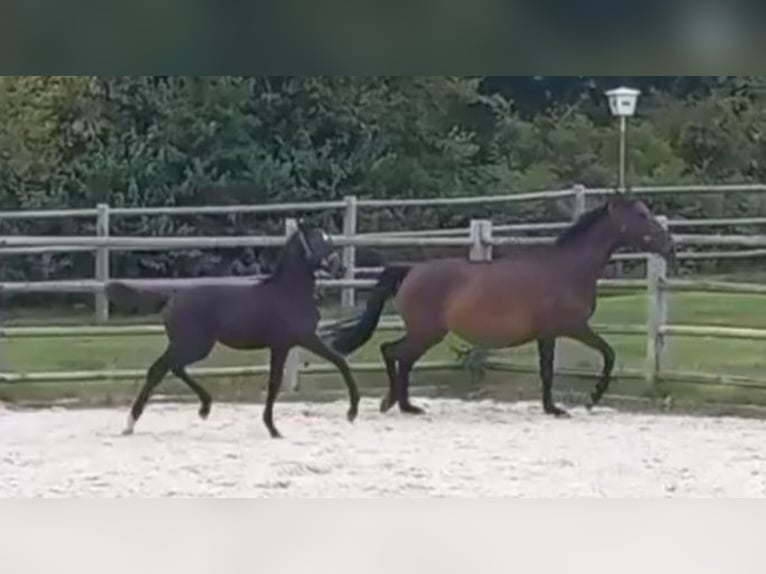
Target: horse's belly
point(490, 323)
point(493, 337)
point(241, 343)
point(244, 330)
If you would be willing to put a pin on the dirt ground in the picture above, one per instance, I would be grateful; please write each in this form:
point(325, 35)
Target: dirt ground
point(460, 448)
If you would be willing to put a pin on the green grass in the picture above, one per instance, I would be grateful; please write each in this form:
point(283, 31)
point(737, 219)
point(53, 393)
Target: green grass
point(709, 355)
point(682, 354)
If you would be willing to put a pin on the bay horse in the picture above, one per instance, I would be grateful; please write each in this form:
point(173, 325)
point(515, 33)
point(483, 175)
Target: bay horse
point(278, 313)
point(535, 293)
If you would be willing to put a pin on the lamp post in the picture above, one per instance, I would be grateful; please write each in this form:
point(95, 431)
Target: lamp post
point(622, 103)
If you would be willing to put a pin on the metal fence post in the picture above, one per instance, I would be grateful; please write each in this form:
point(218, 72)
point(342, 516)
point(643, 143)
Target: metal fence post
point(349, 252)
point(102, 263)
point(579, 203)
point(481, 240)
point(657, 311)
point(293, 362)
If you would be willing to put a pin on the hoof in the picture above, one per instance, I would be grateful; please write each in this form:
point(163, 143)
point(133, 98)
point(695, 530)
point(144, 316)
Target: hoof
point(557, 412)
point(386, 403)
point(351, 414)
point(204, 411)
point(594, 400)
point(411, 409)
point(131, 424)
point(276, 434)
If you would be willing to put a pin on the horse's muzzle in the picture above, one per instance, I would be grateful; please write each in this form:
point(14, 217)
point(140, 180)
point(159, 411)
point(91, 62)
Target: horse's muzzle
point(333, 266)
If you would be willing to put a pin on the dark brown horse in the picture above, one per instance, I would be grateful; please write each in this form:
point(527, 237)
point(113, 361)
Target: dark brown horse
point(536, 293)
point(278, 313)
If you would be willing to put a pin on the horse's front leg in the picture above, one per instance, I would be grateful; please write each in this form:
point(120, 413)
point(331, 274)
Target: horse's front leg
point(593, 340)
point(276, 371)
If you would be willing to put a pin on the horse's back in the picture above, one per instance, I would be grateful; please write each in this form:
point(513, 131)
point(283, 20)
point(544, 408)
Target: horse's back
point(432, 279)
point(439, 279)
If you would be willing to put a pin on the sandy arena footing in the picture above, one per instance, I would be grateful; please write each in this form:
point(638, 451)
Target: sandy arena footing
point(459, 448)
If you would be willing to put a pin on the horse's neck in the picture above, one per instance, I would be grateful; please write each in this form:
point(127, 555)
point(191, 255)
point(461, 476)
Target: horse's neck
point(587, 255)
point(294, 274)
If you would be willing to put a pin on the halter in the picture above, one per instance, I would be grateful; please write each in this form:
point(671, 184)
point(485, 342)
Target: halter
point(306, 248)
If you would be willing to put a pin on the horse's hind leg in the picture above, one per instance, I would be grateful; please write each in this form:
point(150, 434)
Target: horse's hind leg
point(391, 370)
point(204, 397)
point(175, 358)
point(314, 344)
point(188, 347)
point(546, 349)
point(406, 351)
point(154, 376)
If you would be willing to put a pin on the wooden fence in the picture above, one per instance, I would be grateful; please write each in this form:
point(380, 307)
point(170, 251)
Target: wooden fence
point(103, 243)
point(479, 239)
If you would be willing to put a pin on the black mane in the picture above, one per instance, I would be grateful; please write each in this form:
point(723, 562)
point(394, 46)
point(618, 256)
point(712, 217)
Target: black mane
point(583, 224)
point(288, 251)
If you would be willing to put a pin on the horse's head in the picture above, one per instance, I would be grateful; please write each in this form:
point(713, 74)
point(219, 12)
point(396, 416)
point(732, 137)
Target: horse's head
point(319, 250)
point(638, 229)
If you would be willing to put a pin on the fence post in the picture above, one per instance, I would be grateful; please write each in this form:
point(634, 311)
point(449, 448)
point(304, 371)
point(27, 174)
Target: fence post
point(349, 252)
point(579, 205)
point(656, 273)
point(481, 240)
point(102, 263)
point(291, 379)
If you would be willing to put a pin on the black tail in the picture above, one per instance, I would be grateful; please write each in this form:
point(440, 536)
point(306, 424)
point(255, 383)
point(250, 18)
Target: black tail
point(349, 338)
point(141, 301)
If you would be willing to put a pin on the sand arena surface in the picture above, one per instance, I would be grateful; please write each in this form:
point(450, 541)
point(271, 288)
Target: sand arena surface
point(460, 448)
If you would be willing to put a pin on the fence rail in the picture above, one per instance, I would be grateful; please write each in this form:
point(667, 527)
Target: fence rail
point(479, 239)
point(50, 243)
point(340, 204)
point(390, 324)
point(96, 285)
